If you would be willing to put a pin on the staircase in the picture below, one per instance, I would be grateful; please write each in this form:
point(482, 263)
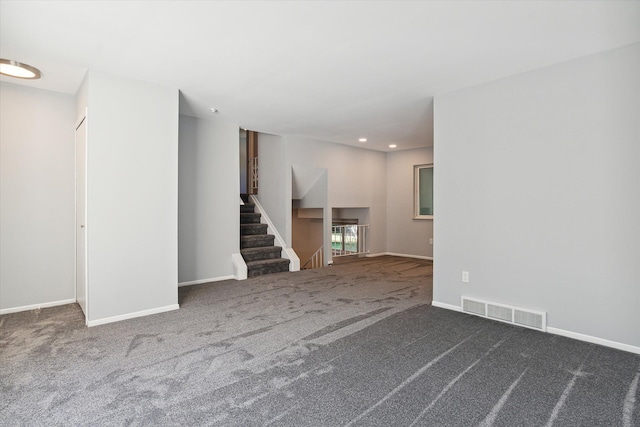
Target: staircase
point(256, 246)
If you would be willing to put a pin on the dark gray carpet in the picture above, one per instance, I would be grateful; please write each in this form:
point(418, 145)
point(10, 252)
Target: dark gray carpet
point(355, 344)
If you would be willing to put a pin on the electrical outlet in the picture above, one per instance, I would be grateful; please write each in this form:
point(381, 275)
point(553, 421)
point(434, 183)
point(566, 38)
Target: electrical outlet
point(465, 276)
point(431, 241)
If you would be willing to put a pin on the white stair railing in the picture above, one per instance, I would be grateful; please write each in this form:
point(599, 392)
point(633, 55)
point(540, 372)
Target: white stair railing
point(350, 239)
point(316, 260)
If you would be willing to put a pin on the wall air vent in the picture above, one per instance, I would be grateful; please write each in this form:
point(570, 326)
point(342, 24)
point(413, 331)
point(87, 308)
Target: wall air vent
point(506, 313)
point(474, 307)
point(530, 320)
point(499, 313)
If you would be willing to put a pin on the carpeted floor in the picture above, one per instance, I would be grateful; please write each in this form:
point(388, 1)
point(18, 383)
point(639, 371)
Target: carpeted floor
point(355, 344)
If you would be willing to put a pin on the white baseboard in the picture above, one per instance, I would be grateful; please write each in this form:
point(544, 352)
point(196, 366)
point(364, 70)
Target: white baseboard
point(201, 281)
point(409, 256)
point(594, 340)
point(400, 255)
point(445, 305)
point(36, 306)
point(133, 315)
point(564, 333)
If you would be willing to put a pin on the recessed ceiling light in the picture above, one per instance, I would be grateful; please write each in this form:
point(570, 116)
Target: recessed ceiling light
point(213, 110)
point(392, 145)
point(363, 140)
point(11, 68)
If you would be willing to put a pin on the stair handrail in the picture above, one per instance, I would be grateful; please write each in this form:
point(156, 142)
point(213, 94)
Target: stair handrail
point(316, 260)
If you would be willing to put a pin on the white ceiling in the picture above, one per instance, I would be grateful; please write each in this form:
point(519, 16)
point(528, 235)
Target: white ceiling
point(334, 71)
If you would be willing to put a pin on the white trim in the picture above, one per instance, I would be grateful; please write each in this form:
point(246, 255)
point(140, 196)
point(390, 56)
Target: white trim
point(239, 266)
point(594, 340)
point(201, 281)
point(294, 261)
point(376, 255)
point(36, 306)
point(133, 315)
point(562, 332)
point(416, 191)
point(409, 256)
point(82, 119)
point(400, 255)
point(446, 306)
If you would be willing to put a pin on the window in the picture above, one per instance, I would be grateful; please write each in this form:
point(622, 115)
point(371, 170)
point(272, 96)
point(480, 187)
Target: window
point(423, 191)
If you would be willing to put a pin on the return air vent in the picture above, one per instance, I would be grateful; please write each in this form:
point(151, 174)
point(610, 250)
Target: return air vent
point(531, 320)
point(499, 313)
point(474, 307)
point(506, 313)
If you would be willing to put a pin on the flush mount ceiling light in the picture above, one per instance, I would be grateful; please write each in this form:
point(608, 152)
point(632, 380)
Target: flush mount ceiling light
point(362, 139)
point(392, 145)
point(9, 67)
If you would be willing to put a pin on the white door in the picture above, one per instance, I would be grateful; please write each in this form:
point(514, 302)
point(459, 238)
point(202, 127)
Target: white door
point(81, 231)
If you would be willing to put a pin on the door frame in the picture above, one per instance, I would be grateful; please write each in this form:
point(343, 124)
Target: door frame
point(79, 122)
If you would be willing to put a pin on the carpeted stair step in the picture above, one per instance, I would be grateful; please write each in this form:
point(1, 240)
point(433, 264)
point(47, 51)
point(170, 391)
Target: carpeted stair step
point(256, 240)
point(247, 208)
point(264, 252)
point(267, 266)
point(249, 229)
point(256, 246)
point(250, 218)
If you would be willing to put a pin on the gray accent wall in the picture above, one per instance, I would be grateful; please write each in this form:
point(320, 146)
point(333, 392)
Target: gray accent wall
point(37, 196)
point(209, 198)
point(406, 235)
point(537, 194)
point(132, 196)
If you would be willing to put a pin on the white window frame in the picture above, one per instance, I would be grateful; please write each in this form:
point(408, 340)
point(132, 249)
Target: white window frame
point(416, 191)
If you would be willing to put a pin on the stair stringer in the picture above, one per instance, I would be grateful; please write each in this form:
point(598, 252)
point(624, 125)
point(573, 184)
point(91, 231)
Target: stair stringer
point(287, 252)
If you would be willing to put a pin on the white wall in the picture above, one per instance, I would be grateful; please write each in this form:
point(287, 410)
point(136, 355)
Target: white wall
point(37, 207)
point(132, 197)
point(406, 235)
point(274, 182)
point(537, 194)
point(209, 194)
point(356, 179)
